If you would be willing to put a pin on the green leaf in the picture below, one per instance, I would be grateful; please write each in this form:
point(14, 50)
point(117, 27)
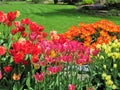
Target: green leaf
point(11, 59)
point(16, 86)
point(1, 41)
point(3, 59)
point(3, 87)
point(119, 74)
point(57, 80)
point(28, 81)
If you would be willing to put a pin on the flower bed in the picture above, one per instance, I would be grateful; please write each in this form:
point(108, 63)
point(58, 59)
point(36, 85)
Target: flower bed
point(92, 34)
point(106, 65)
point(29, 61)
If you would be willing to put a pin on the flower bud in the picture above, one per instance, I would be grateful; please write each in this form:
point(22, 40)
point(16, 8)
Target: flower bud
point(108, 77)
point(101, 57)
point(104, 75)
point(104, 66)
point(114, 65)
point(109, 82)
point(17, 13)
point(114, 87)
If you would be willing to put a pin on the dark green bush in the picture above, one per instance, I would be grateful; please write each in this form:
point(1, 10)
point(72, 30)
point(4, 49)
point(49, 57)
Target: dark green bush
point(113, 4)
point(112, 1)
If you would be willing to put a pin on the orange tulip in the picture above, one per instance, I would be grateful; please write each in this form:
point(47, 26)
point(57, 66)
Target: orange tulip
point(16, 76)
point(102, 31)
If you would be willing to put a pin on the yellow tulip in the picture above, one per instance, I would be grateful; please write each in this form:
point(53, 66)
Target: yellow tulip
point(108, 77)
point(18, 13)
point(109, 82)
point(52, 54)
point(114, 45)
point(118, 45)
point(117, 49)
point(114, 65)
point(116, 41)
point(104, 46)
point(101, 57)
point(104, 75)
point(36, 66)
point(109, 54)
point(104, 66)
point(98, 46)
point(114, 87)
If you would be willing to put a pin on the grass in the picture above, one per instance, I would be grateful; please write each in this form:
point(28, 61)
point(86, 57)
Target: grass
point(54, 17)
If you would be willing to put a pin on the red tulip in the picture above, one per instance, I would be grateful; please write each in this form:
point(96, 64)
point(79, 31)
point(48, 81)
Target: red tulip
point(7, 69)
point(2, 50)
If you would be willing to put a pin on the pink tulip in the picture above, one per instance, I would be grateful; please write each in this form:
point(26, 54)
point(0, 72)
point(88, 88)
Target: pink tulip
point(0, 74)
point(54, 69)
point(33, 36)
point(39, 76)
point(71, 87)
point(95, 52)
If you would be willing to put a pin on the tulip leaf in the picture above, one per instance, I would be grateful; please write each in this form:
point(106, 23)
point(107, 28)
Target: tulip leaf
point(1, 41)
point(16, 86)
point(28, 81)
point(119, 74)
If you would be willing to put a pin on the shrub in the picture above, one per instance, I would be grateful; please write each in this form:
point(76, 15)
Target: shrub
point(113, 4)
point(88, 2)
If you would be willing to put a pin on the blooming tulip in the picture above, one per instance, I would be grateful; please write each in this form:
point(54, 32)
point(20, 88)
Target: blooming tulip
point(16, 76)
point(39, 76)
point(104, 75)
point(114, 87)
point(114, 65)
point(2, 50)
point(108, 77)
point(109, 82)
point(0, 74)
point(7, 69)
point(71, 87)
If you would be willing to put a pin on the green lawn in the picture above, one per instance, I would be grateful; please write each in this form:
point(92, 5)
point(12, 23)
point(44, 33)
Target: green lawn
point(54, 17)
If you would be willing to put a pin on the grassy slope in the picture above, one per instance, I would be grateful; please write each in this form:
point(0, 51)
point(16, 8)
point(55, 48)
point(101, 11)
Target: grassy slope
point(54, 17)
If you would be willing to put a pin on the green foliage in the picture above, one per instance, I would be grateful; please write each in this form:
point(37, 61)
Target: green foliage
point(106, 64)
point(88, 2)
point(113, 1)
point(36, 1)
point(113, 4)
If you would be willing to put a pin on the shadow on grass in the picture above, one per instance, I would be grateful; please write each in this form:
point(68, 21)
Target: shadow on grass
point(61, 12)
point(74, 12)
